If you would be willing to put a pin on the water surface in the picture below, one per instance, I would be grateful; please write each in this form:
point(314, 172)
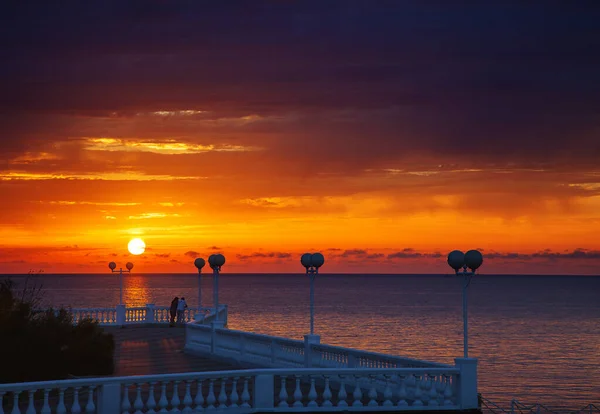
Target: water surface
point(537, 338)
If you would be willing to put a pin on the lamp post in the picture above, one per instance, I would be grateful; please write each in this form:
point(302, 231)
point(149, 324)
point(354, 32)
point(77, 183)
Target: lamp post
point(199, 263)
point(312, 262)
point(112, 266)
point(459, 260)
point(215, 261)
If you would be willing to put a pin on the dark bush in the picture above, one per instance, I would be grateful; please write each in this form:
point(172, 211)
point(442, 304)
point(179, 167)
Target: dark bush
point(38, 346)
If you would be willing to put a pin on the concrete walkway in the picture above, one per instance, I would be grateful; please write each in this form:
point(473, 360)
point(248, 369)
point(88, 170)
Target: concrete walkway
point(147, 350)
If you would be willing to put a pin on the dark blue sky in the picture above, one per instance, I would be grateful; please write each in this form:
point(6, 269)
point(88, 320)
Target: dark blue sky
point(504, 79)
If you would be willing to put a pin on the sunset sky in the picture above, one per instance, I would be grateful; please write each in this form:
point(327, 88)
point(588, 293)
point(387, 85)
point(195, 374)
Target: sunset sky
point(381, 133)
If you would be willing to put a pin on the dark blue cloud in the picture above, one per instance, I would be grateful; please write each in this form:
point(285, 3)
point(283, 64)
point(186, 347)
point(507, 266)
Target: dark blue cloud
point(500, 79)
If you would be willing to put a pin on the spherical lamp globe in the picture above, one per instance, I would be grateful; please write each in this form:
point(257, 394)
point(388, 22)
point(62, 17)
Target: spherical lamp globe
point(305, 260)
point(199, 263)
point(473, 259)
point(129, 266)
point(317, 260)
point(456, 260)
point(219, 260)
point(112, 265)
point(211, 261)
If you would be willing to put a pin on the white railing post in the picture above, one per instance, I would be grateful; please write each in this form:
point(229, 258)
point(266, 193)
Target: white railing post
point(150, 313)
point(213, 335)
point(264, 392)
point(121, 314)
point(309, 340)
point(109, 399)
point(467, 383)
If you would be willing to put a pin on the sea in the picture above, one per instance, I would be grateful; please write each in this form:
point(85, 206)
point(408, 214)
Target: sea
point(537, 338)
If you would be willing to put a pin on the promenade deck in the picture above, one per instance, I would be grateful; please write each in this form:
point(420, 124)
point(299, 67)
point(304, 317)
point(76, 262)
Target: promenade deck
point(158, 349)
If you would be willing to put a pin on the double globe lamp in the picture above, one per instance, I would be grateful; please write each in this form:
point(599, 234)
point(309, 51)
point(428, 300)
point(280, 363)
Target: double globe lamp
point(460, 262)
point(215, 261)
point(112, 266)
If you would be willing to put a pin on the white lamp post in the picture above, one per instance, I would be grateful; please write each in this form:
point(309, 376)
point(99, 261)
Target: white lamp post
point(199, 263)
point(112, 266)
point(459, 260)
point(312, 262)
point(215, 261)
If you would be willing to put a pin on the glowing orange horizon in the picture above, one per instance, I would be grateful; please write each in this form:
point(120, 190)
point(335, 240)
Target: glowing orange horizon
point(75, 206)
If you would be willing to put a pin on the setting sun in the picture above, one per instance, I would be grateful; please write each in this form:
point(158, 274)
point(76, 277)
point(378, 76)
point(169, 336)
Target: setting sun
point(136, 246)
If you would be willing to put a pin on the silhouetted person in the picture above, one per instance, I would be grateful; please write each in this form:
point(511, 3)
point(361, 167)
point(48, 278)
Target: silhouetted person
point(181, 305)
point(173, 310)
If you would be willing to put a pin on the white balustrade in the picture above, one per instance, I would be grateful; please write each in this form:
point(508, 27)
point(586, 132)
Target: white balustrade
point(142, 315)
point(104, 316)
point(272, 351)
point(244, 391)
point(135, 315)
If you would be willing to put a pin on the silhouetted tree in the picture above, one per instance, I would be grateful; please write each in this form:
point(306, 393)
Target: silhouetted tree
point(46, 345)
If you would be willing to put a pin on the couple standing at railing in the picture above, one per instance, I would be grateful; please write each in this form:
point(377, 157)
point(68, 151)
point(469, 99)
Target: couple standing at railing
point(177, 309)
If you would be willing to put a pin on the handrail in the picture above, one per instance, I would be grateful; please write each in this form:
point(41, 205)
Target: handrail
point(24, 386)
point(325, 347)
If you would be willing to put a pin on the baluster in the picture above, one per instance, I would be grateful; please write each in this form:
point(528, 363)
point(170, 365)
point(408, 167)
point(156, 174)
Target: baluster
point(245, 394)
point(425, 384)
point(210, 399)
point(222, 394)
point(90, 407)
point(31, 405)
point(75, 408)
point(417, 401)
point(187, 399)
point(402, 392)
point(283, 395)
point(312, 394)
point(433, 393)
point(448, 390)
point(175, 399)
point(342, 395)
point(46, 407)
point(298, 393)
point(199, 400)
point(163, 402)
point(327, 394)
point(61, 408)
point(138, 403)
point(15, 409)
point(372, 393)
point(234, 397)
point(126, 405)
point(357, 394)
point(151, 402)
point(440, 386)
point(387, 394)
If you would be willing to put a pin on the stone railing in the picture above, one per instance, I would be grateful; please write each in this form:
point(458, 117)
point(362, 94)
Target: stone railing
point(146, 314)
point(252, 391)
point(272, 351)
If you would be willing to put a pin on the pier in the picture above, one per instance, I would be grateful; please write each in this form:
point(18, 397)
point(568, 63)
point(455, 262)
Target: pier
point(202, 365)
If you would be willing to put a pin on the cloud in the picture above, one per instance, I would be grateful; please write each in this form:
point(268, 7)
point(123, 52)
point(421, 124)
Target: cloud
point(192, 254)
point(547, 254)
point(267, 255)
point(353, 252)
point(163, 255)
point(409, 253)
point(171, 146)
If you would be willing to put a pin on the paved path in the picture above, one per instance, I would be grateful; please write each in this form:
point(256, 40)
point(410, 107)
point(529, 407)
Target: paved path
point(157, 350)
